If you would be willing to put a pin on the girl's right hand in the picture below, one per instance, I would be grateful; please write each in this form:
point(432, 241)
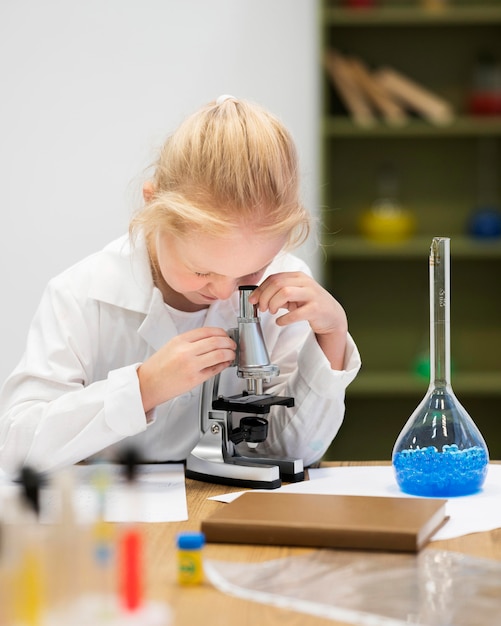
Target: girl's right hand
point(183, 363)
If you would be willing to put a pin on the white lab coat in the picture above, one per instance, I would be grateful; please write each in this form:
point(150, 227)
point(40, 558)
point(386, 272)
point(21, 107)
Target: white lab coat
point(75, 391)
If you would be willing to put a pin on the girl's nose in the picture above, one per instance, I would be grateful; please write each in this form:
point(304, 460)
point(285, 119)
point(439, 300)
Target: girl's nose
point(222, 288)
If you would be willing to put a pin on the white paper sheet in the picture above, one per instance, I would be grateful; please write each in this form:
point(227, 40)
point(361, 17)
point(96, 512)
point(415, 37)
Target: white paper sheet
point(158, 495)
point(468, 514)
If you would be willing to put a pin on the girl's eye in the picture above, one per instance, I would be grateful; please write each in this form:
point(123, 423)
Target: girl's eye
point(201, 274)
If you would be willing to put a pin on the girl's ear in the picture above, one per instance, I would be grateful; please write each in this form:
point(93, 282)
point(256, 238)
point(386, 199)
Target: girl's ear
point(148, 190)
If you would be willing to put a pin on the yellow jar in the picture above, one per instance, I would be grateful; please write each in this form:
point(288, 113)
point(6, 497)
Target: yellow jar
point(387, 223)
point(189, 558)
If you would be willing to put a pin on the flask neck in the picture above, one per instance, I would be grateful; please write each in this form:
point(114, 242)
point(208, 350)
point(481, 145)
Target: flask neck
point(440, 340)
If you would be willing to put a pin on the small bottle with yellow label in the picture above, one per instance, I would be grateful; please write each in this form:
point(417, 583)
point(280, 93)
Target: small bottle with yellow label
point(189, 558)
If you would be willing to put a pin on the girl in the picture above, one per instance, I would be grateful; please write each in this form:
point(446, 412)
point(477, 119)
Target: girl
point(122, 342)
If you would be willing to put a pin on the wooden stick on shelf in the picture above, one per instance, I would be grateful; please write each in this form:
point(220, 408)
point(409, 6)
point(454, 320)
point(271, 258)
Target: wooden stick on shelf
point(382, 100)
point(348, 88)
point(415, 97)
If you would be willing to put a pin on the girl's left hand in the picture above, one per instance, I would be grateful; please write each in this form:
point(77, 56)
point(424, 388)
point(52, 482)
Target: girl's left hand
point(306, 300)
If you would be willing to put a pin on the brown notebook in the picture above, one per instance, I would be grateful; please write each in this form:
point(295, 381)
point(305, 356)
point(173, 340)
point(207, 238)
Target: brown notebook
point(328, 521)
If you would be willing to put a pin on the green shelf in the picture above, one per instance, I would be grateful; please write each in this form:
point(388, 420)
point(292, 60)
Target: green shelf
point(398, 383)
point(340, 246)
point(384, 288)
point(462, 126)
point(471, 15)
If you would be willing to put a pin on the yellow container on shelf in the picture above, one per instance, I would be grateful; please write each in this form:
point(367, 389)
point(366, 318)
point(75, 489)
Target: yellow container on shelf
point(386, 222)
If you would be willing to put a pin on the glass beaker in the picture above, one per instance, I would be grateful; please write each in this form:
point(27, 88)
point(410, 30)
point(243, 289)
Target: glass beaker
point(440, 451)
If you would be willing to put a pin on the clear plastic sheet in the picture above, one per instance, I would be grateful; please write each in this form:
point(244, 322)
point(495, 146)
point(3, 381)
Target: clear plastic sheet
point(433, 588)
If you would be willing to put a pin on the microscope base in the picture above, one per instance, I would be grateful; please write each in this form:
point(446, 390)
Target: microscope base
point(233, 482)
point(241, 471)
point(291, 470)
point(231, 472)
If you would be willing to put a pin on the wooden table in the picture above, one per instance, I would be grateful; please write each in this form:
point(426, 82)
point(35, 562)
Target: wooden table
point(207, 606)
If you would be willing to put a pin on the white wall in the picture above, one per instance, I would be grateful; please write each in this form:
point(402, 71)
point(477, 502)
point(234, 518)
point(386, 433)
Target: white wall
point(90, 89)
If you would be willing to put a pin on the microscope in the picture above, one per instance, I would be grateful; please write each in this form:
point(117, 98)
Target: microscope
point(215, 458)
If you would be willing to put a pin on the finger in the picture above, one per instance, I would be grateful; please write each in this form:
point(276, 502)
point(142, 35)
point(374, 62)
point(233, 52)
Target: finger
point(214, 344)
point(203, 333)
point(213, 370)
point(215, 358)
point(264, 292)
point(290, 298)
point(299, 314)
point(272, 294)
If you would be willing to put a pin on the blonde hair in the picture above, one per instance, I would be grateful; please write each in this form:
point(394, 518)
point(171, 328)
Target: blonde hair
point(230, 164)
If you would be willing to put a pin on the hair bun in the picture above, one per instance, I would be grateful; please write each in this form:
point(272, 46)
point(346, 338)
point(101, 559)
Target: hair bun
point(225, 97)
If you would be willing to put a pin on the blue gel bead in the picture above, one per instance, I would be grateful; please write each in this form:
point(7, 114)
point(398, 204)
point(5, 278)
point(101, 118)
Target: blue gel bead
point(449, 473)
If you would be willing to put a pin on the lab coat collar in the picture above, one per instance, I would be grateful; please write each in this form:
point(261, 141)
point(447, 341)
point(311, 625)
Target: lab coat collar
point(158, 326)
point(122, 276)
